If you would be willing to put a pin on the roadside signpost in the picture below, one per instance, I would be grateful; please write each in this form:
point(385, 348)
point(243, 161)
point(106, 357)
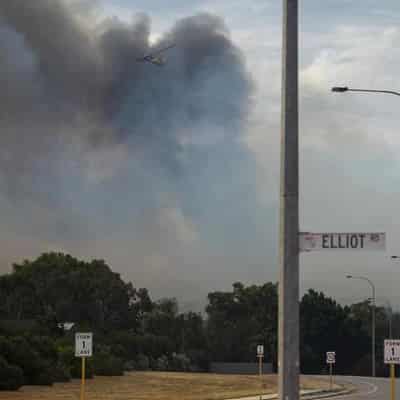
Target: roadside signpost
point(260, 355)
point(83, 349)
point(330, 360)
point(392, 357)
point(364, 241)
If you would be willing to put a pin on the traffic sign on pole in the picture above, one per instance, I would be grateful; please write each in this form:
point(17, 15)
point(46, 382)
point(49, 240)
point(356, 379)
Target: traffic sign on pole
point(330, 360)
point(392, 351)
point(83, 344)
point(83, 349)
point(392, 357)
point(260, 355)
point(330, 357)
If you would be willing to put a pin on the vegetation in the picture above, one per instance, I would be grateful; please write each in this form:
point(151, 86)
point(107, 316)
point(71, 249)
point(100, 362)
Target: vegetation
point(133, 332)
point(162, 386)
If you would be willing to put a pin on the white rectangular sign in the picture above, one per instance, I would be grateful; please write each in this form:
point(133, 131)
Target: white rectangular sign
point(342, 241)
point(260, 350)
point(330, 357)
point(83, 344)
point(392, 351)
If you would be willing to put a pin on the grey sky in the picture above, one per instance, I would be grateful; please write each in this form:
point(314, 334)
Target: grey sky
point(216, 222)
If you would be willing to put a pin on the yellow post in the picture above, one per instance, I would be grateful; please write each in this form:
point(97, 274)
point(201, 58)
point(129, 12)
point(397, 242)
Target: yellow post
point(83, 378)
point(392, 382)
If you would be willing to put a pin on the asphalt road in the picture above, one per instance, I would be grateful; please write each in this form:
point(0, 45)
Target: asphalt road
point(368, 388)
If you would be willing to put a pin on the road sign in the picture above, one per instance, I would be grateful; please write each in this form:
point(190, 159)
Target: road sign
point(260, 350)
point(330, 357)
point(83, 344)
point(342, 241)
point(392, 351)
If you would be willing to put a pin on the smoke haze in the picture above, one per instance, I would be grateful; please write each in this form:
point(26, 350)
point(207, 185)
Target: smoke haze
point(97, 148)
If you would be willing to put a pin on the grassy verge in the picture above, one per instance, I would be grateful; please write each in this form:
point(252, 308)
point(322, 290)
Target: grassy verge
point(160, 386)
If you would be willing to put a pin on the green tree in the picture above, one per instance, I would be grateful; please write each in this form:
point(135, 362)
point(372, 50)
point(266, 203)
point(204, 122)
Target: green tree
point(240, 320)
point(327, 326)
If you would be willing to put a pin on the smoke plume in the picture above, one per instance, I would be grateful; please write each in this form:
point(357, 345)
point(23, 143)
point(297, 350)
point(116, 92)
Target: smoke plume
point(71, 87)
point(107, 157)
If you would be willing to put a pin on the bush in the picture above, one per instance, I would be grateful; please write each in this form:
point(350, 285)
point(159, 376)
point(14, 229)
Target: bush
point(76, 368)
point(199, 360)
point(180, 362)
point(11, 377)
point(142, 363)
point(162, 364)
point(129, 366)
point(62, 373)
point(107, 364)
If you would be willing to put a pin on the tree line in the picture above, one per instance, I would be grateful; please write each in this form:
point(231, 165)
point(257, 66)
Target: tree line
point(134, 332)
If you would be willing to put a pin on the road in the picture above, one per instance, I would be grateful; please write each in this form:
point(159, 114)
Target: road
point(368, 388)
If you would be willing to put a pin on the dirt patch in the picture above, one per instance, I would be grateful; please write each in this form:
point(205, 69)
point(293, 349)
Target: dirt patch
point(160, 386)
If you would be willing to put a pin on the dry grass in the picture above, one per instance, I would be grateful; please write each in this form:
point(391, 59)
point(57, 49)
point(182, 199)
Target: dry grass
point(158, 386)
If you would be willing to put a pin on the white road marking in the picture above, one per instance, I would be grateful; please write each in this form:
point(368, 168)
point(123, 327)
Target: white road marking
point(373, 389)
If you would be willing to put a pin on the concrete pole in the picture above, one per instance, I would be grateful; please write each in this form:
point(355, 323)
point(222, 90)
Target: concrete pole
point(288, 347)
point(373, 330)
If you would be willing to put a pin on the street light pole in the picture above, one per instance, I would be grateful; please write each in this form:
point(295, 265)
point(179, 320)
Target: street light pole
point(373, 317)
point(288, 347)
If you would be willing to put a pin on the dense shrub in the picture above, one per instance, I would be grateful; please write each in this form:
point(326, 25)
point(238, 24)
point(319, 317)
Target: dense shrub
point(107, 364)
point(162, 364)
point(129, 365)
point(142, 362)
point(35, 357)
point(180, 362)
point(76, 368)
point(12, 377)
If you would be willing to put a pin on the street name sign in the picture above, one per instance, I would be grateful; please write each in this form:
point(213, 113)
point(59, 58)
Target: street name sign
point(330, 357)
point(84, 344)
point(392, 351)
point(368, 241)
point(260, 350)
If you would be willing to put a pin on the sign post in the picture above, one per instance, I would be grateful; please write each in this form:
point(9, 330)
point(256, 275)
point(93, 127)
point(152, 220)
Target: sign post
point(260, 355)
point(392, 357)
point(392, 381)
point(83, 349)
point(365, 241)
point(330, 360)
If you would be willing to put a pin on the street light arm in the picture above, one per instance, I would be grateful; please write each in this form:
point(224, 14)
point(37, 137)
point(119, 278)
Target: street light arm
point(370, 283)
point(342, 89)
point(375, 91)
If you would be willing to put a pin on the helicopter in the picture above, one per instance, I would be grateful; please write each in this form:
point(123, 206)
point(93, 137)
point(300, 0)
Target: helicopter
point(156, 57)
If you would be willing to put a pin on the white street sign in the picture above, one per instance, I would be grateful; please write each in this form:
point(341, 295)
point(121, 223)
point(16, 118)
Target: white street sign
point(260, 350)
point(342, 241)
point(330, 357)
point(83, 344)
point(392, 351)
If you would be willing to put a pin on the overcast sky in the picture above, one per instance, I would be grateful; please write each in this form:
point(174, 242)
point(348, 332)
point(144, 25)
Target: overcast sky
point(184, 228)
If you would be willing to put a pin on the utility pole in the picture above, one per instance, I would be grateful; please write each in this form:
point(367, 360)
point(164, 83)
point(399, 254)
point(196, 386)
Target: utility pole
point(373, 331)
point(288, 364)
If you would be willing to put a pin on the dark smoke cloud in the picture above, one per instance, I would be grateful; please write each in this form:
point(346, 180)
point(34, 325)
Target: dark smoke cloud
point(72, 92)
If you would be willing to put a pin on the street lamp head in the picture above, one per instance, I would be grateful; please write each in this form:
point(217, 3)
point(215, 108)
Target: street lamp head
point(349, 276)
point(394, 257)
point(340, 89)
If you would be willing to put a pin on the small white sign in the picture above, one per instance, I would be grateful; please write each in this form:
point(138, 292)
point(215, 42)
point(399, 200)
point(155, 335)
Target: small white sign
point(83, 344)
point(342, 241)
point(260, 350)
point(392, 351)
point(330, 357)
